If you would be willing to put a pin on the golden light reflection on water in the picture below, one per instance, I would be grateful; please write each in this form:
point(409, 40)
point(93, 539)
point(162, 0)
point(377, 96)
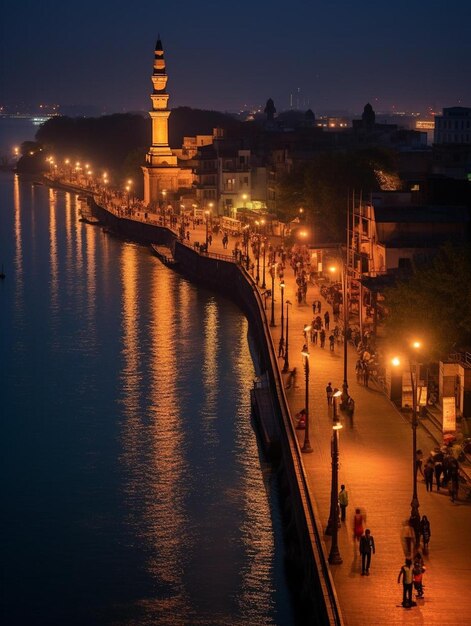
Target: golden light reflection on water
point(18, 240)
point(90, 255)
point(257, 531)
point(68, 232)
point(210, 369)
point(165, 429)
point(53, 248)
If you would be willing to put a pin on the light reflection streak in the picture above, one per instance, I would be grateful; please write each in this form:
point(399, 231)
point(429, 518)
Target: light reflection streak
point(90, 255)
point(257, 532)
point(166, 432)
point(53, 249)
point(210, 369)
point(18, 243)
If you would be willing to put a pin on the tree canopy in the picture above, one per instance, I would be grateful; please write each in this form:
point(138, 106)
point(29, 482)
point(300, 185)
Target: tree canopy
point(434, 303)
point(322, 185)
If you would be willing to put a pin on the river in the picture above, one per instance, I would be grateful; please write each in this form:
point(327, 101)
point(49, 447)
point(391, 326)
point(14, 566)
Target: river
point(134, 492)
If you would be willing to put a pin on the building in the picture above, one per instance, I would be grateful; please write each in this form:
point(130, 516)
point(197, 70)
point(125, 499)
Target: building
point(453, 126)
point(162, 172)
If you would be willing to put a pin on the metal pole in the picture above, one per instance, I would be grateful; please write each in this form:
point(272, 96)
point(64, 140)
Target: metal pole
point(282, 287)
point(272, 272)
point(344, 402)
point(286, 365)
point(415, 499)
point(257, 277)
point(307, 444)
point(334, 555)
point(263, 273)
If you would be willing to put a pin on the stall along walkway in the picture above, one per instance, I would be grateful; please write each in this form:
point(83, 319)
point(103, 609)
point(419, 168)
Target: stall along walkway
point(376, 467)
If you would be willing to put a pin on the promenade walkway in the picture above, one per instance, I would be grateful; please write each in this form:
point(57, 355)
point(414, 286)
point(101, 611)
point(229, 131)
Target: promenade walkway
point(375, 465)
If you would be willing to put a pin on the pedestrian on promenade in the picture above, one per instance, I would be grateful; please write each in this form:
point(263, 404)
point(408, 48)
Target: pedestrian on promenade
point(331, 342)
point(322, 337)
point(281, 348)
point(329, 392)
point(358, 521)
point(419, 455)
point(301, 419)
point(425, 531)
point(326, 320)
point(438, 472)
point(343, 502)
point(367, 546)
point(291, 379)
point(414, 521)
point(359, 370)
point(366, 373)
point(407, 578)
point(428, 475)
point(408, 538)
point(417, 575)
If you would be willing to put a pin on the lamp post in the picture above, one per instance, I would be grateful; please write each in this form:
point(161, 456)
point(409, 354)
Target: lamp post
point(264, 249)
point(333, 523)
point(307, 444)
point(282, 287)
point(247, 240)
point(257, 277)
point(286, 365)
point(414, 423)
point(207, 229)
point(343, 277)
point(272, 274)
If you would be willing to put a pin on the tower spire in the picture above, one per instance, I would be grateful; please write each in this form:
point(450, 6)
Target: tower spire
point(160, 171)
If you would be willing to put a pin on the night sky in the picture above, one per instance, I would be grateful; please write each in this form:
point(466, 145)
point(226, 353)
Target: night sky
point(407, 54)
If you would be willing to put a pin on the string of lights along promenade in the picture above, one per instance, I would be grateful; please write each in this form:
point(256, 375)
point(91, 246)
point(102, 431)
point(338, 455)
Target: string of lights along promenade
point(132, 489)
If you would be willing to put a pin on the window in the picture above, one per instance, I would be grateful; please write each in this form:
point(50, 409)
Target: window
point(229, 184)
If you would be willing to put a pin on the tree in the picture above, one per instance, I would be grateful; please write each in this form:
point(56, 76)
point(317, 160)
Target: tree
point(322, 185)
point(434, 303)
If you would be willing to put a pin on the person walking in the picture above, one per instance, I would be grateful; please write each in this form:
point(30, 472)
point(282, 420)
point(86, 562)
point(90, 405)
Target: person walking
point(367, 546)
point(366, 373)
point(331, 342)
point(425, 532)
point(281, 348)
point(322, 337)
point(417, 575)
point(326, 320)
point(454, 483)
point(407, 578)
point(438, 472)
point(343, 502)
point(329, 392)
point(428, 475)
point(358, 520)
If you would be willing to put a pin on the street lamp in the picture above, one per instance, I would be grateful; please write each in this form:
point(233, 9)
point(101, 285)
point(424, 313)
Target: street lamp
point(263, 273)
point(207, 231)
point(341, 270)
point(127, 189)
point(282, 287)
point(286, 365)
point(257, 277)
point(416, 345)
point(272, 274)
point(305, 352)
point(246, 241)
point(333, 523)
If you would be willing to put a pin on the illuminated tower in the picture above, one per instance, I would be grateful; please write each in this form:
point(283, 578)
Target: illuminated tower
point(161, 170)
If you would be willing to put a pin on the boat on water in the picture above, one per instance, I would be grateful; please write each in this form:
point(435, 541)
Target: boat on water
point(165, 255)
point(89, 219)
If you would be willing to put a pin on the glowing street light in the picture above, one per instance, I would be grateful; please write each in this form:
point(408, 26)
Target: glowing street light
point(305, 353)
point(415, 345)
point(333, 523)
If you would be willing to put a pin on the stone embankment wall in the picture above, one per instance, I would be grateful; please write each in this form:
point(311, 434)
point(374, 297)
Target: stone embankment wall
point(306, 559)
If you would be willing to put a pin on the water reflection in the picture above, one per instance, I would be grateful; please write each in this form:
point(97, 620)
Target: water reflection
point(133, 446)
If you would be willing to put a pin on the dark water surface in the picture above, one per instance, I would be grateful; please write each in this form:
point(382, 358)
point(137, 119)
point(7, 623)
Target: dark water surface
point(132, 489)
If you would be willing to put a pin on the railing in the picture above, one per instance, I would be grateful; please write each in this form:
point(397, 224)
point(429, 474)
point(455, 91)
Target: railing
point(312, 515)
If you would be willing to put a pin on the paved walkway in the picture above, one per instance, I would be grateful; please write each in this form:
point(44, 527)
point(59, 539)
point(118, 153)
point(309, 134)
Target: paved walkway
point(375, 465)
